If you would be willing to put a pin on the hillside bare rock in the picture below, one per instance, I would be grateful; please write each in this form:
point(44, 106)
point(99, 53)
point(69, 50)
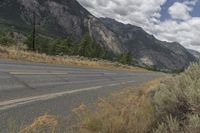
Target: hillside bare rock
point(195, 53)
point(62, 18)
point(148, 50)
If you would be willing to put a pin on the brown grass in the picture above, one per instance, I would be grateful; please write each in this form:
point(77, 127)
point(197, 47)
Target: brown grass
point(16, 54)
point(43, 124)
point(129, 111)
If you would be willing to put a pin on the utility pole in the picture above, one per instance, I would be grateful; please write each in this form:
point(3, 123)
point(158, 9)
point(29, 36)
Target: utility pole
point(33, 31)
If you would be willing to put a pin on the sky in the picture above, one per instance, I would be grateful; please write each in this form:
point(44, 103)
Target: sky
point(167, 20)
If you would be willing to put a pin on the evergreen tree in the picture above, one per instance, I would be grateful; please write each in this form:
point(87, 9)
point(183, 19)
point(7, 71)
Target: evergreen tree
point(5, 40)
point(86, 47)
point(125, 58)
point(29, 42)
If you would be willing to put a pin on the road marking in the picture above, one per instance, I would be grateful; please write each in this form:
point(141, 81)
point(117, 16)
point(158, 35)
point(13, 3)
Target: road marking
point(23, 101)
point(111, 85)
point(14, 103)
point(32, 73)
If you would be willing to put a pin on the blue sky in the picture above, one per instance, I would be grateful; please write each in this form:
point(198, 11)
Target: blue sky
point(196, 12)
point(165, 15)
point(167, 20)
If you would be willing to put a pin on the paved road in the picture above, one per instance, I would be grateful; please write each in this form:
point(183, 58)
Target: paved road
point(28, 90)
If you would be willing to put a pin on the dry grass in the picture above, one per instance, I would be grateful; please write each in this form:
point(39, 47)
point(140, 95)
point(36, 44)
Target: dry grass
point(16, 54)
point(129, 111)
point(43, 124)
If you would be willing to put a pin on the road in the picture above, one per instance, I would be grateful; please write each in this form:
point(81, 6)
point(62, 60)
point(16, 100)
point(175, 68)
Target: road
point(28, 90)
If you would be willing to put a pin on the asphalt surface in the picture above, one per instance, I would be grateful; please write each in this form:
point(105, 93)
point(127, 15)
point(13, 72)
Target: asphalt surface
point(29, 90)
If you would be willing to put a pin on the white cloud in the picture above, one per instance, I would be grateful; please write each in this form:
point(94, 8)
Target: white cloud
point(128, 11)
point(190, 2)
point(186, 32)
point(146, 14)
point(180, 11)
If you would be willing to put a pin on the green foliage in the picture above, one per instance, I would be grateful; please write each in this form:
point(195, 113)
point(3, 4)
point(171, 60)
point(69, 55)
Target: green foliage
point(43, 45)
point(5, 40)
point(125, 58)
point(29, 42)
point(50, 46)
point(86, 47)
point(89, 48)
point(170, 125)
point(193, 125)
point(179, 97)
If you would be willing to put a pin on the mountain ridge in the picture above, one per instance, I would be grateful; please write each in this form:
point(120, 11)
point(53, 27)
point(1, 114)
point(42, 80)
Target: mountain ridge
point(195, 53)
point(147, 49)
point(62, 18)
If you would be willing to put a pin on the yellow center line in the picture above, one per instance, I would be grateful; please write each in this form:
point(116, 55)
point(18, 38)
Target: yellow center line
point(37, 73)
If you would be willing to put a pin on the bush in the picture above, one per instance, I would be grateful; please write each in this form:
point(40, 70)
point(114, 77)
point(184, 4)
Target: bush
point(193, 124)
point(125, 58)
point(5, 40)
point(169, 126)
point(180, 95)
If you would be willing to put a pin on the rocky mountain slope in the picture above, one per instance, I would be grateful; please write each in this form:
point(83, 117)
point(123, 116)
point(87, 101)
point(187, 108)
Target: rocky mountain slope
point(68, 18)
point(195, 53)
point(59, 18)
point(147, 50)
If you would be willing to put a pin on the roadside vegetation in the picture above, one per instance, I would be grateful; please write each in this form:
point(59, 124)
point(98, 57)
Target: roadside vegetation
point(86, 52)
point(22, 55)
point(169, 105)
point(85, 47)
point(6, 40)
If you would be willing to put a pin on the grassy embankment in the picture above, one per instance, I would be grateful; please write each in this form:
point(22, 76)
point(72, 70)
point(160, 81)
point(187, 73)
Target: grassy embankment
point(169, 106)
point(16, 54)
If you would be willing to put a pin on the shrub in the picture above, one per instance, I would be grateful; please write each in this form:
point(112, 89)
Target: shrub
point(170, 125)
point(193, 124)
point(5, 40)
point(180, 95)
point(125, 58)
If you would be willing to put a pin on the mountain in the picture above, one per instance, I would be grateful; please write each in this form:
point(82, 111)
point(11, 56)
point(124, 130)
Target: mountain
point(62, 18)
point(55, 17)
point(195, 53)
point(146, 49)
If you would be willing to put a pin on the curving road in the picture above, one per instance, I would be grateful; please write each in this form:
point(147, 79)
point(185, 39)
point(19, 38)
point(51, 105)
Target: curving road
point(28, 90)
